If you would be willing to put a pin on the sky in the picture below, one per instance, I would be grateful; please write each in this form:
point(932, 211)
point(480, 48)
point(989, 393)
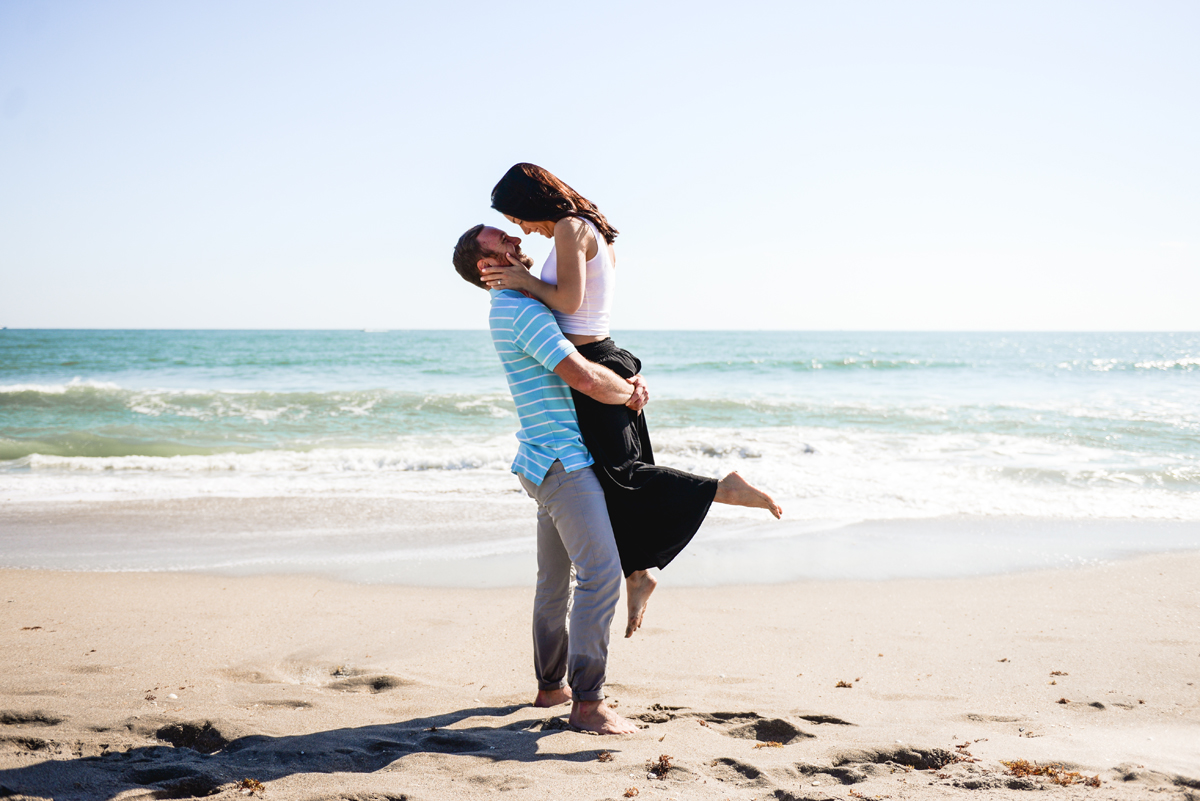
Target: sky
point(794, 165)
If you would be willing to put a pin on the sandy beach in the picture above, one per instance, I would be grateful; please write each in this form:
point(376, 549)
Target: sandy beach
point(922, 274)
point(169, 685)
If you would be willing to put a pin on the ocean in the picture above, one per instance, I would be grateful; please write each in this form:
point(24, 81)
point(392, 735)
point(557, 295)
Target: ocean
point(893, 454)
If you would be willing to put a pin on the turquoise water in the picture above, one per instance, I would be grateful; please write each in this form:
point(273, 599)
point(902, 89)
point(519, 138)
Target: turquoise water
point(1092, 438)
point(886, 425)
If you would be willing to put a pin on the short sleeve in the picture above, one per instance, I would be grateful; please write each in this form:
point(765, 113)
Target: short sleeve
point(536, 332)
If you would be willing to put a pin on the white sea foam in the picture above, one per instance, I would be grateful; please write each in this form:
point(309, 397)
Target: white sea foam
point(884, 476)
point(819, 473)
point(412, 454)
point(74, 384)
point(1169, 364)
point(361, 409)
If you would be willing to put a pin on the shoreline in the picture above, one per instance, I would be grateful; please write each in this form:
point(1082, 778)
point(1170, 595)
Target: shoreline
point(464, 540)
point(324, 689)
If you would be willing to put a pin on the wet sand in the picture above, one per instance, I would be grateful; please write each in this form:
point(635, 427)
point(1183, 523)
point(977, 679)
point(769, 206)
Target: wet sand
point(169, 685)
point(469, 538)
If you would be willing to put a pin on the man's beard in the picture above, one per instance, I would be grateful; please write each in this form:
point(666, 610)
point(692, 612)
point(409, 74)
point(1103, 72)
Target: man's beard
point(520, 256)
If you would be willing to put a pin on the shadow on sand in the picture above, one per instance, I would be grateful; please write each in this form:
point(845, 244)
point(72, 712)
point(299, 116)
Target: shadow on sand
point(200, 760)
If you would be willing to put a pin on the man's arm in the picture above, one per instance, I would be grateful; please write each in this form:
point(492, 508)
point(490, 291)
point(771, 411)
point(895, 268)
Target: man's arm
point(535, 331)
point(600, 383)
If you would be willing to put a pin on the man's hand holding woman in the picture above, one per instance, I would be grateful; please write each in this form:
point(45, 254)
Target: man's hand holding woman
point(641, 393)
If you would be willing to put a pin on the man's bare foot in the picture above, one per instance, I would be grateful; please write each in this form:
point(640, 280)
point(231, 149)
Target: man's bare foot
point(736, 491)
point(547, 698)
point(638, 587)
point(599, 717)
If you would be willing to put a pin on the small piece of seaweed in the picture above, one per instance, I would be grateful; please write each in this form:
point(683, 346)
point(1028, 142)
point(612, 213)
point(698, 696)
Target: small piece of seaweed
point(1056, 773)
point(604, 756)
point(844, 684)
point(660, 768)
point(769, 744)
point(251, 786)
point(631, 792)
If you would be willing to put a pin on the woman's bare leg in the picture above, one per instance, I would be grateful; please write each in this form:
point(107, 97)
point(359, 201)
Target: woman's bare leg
point(638, 587)
point(736, 491)
point(733, 490)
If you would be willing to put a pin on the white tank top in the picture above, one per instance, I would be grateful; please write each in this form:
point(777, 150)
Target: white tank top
point(599, 286)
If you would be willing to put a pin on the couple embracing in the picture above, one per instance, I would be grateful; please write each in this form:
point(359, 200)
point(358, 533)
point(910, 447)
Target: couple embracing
point(584, 451)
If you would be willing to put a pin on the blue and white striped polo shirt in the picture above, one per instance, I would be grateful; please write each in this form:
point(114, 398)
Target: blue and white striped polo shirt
point(531, 345)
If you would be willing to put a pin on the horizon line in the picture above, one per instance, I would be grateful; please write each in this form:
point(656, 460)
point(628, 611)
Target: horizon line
point(383, 330)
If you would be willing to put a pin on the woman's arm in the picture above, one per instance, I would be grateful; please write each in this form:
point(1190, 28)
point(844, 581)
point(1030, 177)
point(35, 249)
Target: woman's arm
point(571, 236)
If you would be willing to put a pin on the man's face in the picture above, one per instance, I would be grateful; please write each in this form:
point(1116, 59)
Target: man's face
point(499, 245)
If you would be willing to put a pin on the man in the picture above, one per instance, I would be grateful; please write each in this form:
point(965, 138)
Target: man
point(552, 464)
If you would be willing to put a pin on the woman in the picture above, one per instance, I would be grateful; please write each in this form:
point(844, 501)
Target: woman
point(654, 510)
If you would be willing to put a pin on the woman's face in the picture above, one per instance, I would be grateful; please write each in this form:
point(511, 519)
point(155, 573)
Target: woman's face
point(545, 228)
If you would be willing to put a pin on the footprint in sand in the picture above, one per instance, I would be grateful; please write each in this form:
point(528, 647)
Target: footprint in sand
point(450, 742)
point(772, 730)
point(204, 738)
point(737, 773)
point(340, 677)
point(16, 742)
point(743, 725)
point(195, 786)
point(91, 670)
point(285, 703)
point(910, 757)
point(825, 719)
point(246, 676)
point(752, 726)
point(10, 717)
point(161, 773)
point(840, 775)
point(391, 747)
point(24, 742)
point(369, 684)
point(536, 726)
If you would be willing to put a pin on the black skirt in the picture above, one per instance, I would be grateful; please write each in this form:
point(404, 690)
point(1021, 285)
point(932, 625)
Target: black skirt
point(655, 511)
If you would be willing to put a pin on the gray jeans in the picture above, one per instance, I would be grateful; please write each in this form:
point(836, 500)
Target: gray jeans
point(573, 529)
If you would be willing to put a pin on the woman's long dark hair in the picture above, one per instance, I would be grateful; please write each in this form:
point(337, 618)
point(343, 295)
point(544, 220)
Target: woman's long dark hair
point(533, 194)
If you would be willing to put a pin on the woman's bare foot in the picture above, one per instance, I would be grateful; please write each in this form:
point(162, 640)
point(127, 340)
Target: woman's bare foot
point(547, 698)
point(638, 587)
point(736, 491)
point(599, 717)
